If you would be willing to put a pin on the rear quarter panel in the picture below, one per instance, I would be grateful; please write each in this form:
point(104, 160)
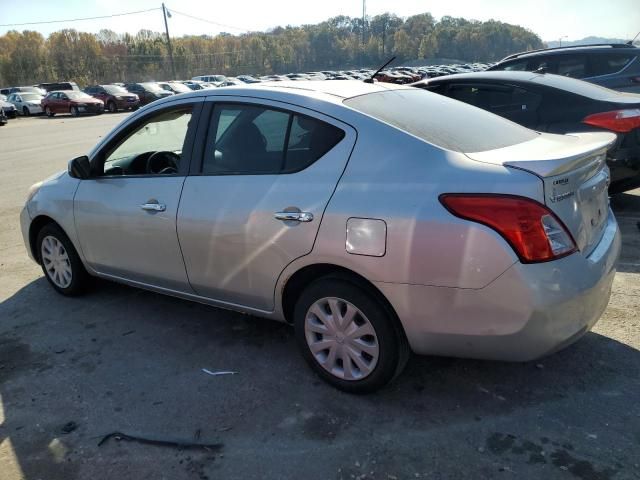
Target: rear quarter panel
point(398, 178)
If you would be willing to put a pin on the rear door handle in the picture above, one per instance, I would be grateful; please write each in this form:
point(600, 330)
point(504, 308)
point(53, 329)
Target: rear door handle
point(294, 216)
point(154, 207)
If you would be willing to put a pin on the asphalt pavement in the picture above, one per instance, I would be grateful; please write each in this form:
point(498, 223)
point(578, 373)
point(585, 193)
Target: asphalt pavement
point(74, 370)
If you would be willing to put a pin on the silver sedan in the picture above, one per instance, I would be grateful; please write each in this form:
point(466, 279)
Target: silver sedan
point(376, 219)
point(26, 103)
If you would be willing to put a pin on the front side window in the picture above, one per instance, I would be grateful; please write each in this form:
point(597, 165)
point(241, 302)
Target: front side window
point(251, 140)
point(153, 147)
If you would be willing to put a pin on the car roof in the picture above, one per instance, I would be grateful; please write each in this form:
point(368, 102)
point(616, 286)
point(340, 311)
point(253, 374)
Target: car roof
point(334, 92)
point(573, 85)
point(599, 47)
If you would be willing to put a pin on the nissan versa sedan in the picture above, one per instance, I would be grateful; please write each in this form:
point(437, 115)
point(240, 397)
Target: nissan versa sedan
point(349, 211)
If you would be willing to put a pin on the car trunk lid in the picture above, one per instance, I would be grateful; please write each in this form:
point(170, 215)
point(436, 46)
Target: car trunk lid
point(574, 174)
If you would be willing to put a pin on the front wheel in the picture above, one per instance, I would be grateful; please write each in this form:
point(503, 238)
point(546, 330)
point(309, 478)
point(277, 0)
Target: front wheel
point(348, 336)
point(48, 112)
point(25, 111)
point(60, 261)
point(74, 111)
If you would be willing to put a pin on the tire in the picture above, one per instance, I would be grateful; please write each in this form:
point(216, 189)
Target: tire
point(25, 111)
point(385, 352)
point(133, 109)
point(56, 253)
point(48, 112)
point(113, 108)
point(74, 111)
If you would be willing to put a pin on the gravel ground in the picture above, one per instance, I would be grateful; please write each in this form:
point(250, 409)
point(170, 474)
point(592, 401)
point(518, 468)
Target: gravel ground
point(126, 360)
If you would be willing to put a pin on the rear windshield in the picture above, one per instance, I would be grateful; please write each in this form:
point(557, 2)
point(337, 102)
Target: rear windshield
point(441, 121)
point(77, 95)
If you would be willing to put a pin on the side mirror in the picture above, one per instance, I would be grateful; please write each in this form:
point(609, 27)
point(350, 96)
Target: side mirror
point(79, 168)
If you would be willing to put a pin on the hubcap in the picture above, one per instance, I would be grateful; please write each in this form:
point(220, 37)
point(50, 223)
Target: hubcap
point(341, 338)
point(56, 262)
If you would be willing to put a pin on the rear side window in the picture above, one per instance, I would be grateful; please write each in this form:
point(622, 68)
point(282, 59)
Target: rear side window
point(441, 121)
point(252, 140)
point(608, 63)
point(573, 66)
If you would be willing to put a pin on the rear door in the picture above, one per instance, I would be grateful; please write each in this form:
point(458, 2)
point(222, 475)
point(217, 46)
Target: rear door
point(255, 203)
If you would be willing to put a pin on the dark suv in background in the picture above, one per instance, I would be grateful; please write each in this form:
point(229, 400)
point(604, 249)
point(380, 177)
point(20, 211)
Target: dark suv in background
point(147, 91)
point(56, 86)
point(615, 66)
point(114, 97)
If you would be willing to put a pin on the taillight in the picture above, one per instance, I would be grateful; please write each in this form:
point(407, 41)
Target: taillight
point(532, 230)
point(621, 121)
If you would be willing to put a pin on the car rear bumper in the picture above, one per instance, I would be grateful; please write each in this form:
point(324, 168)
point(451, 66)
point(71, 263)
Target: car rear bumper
point(126, 104)
point(529, 311)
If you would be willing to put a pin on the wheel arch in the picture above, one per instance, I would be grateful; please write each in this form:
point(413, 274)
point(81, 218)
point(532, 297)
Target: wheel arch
point(36, 225)
point(304, 276)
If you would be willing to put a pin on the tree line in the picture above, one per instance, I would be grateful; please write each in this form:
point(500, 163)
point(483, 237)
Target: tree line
point(338, 43)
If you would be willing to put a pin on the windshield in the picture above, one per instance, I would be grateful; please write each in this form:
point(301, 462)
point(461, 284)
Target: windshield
point(153, 87)
point(115, 90)
point(30, 96)
point(77, 95)
point(440, 120)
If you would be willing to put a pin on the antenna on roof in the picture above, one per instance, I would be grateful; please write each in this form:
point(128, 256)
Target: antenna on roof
point(370, 80)
point(630, 42)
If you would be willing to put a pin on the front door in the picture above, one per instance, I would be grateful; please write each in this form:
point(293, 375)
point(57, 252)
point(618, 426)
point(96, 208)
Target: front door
point(126, 214)
point(258, 198)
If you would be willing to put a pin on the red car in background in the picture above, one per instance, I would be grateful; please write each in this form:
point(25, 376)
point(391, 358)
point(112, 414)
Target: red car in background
point(114, 97)
point(71, 101)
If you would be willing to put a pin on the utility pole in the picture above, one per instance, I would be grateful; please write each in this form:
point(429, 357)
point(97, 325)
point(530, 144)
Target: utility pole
point(364, 19)
point(166, 28)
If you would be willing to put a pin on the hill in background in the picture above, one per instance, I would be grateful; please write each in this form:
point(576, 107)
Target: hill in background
point(585, 41)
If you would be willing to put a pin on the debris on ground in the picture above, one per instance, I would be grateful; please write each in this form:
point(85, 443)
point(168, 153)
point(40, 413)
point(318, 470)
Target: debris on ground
point(182, 445)
point(216, 374)
point(69, 427)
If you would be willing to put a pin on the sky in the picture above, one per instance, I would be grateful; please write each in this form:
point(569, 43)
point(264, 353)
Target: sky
point(550, 19)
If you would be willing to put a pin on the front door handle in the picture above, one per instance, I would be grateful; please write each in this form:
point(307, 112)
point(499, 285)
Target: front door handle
point(154, 207)
point(294, 216)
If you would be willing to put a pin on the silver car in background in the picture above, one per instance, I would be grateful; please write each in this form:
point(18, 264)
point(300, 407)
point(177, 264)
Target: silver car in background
point(26, 103)
point(376, 219)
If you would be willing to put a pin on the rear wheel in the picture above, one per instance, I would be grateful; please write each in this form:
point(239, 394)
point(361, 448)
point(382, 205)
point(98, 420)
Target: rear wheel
point(25, 111)
point(60, 261)
point(113, 108)
point(348, 336)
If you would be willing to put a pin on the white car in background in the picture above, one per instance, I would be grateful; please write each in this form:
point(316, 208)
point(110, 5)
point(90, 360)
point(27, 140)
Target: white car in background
point(26, 103)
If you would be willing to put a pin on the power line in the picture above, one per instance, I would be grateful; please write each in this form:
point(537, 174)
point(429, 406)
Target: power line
point(79, 19)
point(207, 21)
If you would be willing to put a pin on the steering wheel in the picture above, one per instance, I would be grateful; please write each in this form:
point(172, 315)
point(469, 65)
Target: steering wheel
point(163, 163)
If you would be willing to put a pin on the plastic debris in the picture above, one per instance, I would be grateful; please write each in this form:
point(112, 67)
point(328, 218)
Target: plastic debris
point(216, 374)
point(161, 443)
point(69, 427)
